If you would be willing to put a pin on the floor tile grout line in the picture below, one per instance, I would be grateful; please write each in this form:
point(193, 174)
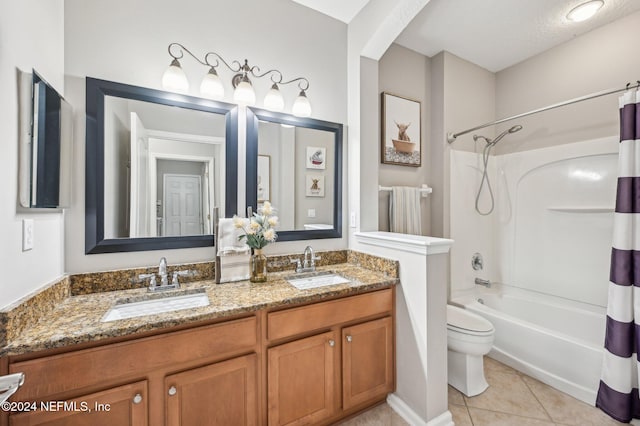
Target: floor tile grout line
point(512, 415)
point(537, 399)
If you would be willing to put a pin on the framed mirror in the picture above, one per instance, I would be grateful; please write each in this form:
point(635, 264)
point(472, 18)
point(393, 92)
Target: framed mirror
point(157, 163)
point(296, 164)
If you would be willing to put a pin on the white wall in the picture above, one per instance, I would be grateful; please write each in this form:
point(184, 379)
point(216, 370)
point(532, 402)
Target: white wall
point(31, 36)
point(406, 73)
point(127, 42)
point(601, 59)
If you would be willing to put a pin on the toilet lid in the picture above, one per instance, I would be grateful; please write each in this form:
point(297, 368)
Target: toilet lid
point(462, 319)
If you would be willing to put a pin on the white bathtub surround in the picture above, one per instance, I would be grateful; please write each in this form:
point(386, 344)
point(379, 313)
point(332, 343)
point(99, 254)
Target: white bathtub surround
point(618, 391)
point(421, 337)
point(546, 249)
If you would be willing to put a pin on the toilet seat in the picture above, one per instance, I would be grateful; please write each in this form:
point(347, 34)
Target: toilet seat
point(465, 322)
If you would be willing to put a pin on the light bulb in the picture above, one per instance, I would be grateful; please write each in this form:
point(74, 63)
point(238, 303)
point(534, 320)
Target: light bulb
point(274, 99)
point(301, 106)
point(584, 11)
point(174, 78)
point(211, 86)
point(244, 93)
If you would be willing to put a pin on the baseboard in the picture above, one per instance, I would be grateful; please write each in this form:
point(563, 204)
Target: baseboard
point(579, 392)
point(411, 417)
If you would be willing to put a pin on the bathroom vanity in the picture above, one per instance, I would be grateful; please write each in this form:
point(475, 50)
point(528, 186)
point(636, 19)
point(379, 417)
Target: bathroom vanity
point(259, 354)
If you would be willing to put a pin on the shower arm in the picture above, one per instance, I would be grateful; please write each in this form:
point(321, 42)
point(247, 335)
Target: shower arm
point(451, 137)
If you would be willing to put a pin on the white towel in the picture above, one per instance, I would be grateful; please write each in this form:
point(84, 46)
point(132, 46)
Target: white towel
point(228, 242)
point(405, 214)
point(234, 254)
point(234, 267)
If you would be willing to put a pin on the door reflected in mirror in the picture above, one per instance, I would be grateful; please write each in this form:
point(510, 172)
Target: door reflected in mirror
point(295, 163)
point(164, 169)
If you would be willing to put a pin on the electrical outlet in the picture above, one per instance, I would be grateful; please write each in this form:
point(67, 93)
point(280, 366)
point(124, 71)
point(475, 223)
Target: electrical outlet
point(311, 213)
point(27, 234)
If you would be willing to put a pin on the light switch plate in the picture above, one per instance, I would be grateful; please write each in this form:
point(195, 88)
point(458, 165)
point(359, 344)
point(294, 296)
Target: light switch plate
point(311, 213)
point(27, 234)
point(352, 220)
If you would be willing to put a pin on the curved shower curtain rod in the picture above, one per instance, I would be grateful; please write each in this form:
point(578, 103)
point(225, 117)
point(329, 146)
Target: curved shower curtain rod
point(451, 137)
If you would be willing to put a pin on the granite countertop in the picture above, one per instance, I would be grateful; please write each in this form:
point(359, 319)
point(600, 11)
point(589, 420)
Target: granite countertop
point(77, 319)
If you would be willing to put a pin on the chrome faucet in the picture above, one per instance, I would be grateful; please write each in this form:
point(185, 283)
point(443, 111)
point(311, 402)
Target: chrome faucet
point(486, 283)
point(309, 263)
point(309, 259)
point(164, 277)
point(162, 271)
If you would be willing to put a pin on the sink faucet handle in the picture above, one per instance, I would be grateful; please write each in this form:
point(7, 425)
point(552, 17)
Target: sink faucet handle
point(176, 274)
point(297, 263)
point(152, 279)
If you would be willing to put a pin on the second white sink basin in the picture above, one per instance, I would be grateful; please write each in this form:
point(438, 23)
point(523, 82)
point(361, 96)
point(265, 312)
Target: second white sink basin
point(157, 305)
point(315, 279)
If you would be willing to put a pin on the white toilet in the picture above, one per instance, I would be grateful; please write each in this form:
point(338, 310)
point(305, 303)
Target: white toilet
point(469, 337)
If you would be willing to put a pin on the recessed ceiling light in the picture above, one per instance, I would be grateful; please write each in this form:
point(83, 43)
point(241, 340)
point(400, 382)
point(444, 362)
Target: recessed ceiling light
point(584, 11)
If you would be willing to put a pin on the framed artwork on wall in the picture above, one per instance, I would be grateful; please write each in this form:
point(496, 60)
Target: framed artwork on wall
point(314, 185)
point(264, 178)
point(316, 157)
point(401, 131)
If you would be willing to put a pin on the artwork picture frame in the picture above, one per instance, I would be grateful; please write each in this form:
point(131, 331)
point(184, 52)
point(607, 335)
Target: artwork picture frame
point(314, 185)
point(401, 133)
point(316, 158)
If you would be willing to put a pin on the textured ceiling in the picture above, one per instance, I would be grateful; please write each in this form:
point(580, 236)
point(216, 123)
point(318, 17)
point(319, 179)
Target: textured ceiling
point(494, 34)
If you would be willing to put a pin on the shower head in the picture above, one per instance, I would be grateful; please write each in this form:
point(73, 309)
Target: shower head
point(513, 129)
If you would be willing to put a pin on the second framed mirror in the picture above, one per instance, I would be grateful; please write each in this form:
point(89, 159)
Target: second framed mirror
point(296, 164)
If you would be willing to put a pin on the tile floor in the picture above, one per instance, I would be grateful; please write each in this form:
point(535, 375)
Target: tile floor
point(513, 399)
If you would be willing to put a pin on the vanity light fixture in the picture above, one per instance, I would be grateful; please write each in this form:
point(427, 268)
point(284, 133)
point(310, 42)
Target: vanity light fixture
point(174, 79)
point(584, 11)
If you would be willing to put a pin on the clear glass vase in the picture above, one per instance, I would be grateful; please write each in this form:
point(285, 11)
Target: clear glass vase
point(258, 267)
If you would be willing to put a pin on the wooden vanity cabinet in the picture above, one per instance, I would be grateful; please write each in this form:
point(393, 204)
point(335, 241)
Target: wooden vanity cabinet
point(126, 405)
point(312, 364)
point(332, 374)
point(225, 393)
point(174, 378)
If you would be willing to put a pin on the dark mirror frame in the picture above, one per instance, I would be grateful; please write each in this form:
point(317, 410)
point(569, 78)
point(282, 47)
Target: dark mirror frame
point(254, 116)
point(94, 167)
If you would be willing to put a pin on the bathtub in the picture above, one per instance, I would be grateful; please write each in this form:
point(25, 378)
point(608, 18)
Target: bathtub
point(555, 340)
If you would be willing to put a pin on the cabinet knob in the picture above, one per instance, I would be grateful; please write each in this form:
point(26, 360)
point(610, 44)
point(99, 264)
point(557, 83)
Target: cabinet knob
point(332, 342)
point(137, 399)
point(349, 338)
point(173, 390)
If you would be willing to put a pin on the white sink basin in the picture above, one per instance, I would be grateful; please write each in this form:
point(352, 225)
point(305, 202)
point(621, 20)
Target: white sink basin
point(157, 305)
point(315, 279)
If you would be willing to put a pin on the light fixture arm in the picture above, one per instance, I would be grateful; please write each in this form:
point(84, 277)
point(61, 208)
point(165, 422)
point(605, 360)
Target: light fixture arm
point(182, 50)
point(206, 60)
point(303, 83)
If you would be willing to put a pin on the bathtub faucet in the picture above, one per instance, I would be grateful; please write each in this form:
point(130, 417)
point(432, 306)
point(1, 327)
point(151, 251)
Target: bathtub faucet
point(486, 283)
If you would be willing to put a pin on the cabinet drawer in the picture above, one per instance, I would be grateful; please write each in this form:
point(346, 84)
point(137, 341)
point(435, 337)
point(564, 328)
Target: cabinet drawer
point(326, 314)
point(90, 367)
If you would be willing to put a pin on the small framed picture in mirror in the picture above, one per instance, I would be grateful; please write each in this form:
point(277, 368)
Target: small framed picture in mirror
point(314, 185)
point(316, 157)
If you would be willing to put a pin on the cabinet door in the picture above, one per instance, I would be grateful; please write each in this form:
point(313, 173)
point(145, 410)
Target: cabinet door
point(302, 380)
point(224, 393)
point(123, 405)
point(368, 364)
